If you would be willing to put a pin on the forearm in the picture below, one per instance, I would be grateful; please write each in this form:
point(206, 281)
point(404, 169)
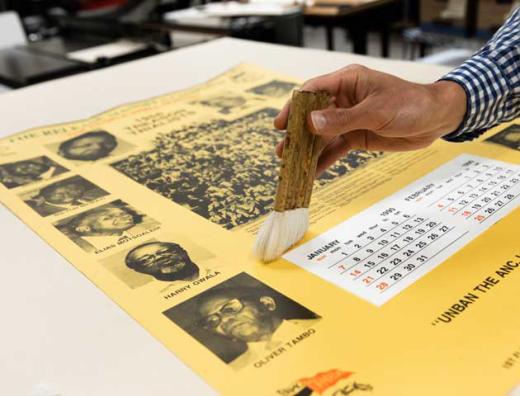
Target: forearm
point(491, 81)
point(448, 102)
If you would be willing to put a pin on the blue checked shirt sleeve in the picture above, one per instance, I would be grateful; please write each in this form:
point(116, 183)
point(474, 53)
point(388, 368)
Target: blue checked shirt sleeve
point(491, 79)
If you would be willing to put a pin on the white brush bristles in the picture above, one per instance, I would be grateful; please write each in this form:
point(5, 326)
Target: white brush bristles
point(280, 231)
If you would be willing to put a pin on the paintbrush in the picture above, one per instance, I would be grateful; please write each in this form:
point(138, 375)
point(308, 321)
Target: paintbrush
point(289, 221)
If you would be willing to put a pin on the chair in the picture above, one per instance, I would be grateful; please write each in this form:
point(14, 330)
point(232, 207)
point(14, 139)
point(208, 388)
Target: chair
point(455, 26)
point(11, 34)
point(11, 30)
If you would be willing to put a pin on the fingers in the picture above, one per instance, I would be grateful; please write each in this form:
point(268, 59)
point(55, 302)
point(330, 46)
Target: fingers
point(328, 82)
point(339, 146)
point(332, 122)
point(279, 148)
point(280, 121)
point(364, 140)
point(376, 142)
point(335, 150)
point(344, 79)
point(331, 82)
point(371, 141)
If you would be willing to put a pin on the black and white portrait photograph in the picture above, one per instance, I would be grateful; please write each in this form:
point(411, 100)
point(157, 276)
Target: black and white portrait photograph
point(509, 137)
point(242, 319)
point(102, 228)
point(274, 89)
point(25, 172)
point(91, 146)
point(62, 195)
point(172, 259)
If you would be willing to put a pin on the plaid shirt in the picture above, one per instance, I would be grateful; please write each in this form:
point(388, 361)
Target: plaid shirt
point(491, 79)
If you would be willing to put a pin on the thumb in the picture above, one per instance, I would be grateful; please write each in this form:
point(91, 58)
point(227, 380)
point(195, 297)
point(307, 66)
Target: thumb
point(332, 122)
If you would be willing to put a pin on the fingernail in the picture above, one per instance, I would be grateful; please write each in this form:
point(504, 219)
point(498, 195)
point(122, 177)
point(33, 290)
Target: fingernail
point(318, 120)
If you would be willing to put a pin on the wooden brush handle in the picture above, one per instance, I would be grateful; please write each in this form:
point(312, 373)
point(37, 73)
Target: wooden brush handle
point(301, 151)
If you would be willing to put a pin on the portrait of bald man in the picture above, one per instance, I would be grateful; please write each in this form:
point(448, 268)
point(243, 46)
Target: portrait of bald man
point(245, 312)
point(165, 261)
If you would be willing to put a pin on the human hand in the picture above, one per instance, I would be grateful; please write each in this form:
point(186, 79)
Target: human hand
point(371, 110)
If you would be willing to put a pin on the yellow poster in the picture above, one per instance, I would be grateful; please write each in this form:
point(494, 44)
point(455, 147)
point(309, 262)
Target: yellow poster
point(407, 282)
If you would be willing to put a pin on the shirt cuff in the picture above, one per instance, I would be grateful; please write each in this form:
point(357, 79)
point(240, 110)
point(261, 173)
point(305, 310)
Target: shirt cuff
point(486, 92)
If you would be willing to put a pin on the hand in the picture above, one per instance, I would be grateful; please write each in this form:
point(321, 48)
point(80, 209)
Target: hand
point(376, 111)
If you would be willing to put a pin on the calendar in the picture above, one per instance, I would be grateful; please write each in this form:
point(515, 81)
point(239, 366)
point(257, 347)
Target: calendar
point(384, 249)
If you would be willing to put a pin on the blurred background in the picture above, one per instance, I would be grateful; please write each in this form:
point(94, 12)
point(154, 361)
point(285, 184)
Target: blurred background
point(42, 40)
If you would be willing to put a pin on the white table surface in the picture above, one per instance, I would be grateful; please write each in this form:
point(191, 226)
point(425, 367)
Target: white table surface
point(59, 334)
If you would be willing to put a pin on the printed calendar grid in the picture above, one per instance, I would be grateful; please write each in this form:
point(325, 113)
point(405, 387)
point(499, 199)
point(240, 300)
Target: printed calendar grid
point(401, 264)
point(411, 240)
point(484, 201)
point(362, 247)
point(477, 173)
point(470, 192)
point(387, 247)
point(510, 197)
point(441, 205)
point(426, 261)
point(398, 262)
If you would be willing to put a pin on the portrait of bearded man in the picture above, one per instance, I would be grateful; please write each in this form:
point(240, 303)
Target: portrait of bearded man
point(165, 261)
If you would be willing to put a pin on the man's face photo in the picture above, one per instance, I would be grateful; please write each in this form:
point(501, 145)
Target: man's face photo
point(106, 221)
point(275, 89)
point(243, 318)
point(509, 137)
point(89, 146)
point(62, 194)
point(28, 168)
point(164, 261)
point(513, 137)
point(225, 103)
point(104, 227)
point(20, 173)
